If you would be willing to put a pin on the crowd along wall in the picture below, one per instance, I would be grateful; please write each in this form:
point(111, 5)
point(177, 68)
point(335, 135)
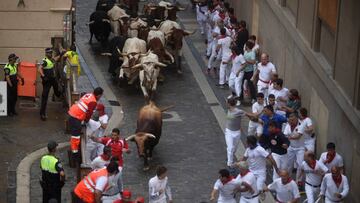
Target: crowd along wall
point(321, 62)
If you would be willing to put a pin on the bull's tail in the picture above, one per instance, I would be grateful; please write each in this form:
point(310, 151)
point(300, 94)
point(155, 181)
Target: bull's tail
point(167, 108)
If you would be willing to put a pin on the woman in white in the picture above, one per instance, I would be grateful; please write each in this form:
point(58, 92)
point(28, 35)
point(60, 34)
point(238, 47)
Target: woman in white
point(309, 135)
point(159, 189)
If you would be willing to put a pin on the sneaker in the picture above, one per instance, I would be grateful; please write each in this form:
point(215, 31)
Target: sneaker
point(262, 196)
point(238, 103)
point(221, 86)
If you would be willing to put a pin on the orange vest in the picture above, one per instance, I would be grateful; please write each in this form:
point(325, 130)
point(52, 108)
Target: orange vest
point(85, 190)
point(79, 109)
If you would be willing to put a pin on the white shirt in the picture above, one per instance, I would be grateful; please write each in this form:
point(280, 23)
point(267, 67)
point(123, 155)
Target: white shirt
point(99, 163)
point(155, 185)
point(285, 193)
point(337, 161)
point(101, 183)
point(329, 188)
point(306, 123)
point(257, 159)
point(265, 71)
point(201, 15)
point(299, 143)
point(310, 176)
point(283, 92)
point(250, 179)
point(256, 108)
point(225, 46)
point(237, 62)
point(226, 192)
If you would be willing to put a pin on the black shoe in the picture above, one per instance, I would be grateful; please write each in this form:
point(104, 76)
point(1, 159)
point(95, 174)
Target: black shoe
point(10, 114)
point(43, 117)
point(14, 113)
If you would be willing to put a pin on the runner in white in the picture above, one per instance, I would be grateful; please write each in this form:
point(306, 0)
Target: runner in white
point(294, 132)
point(159, 189)
point(247, 181)
point(314, 171)
point(201, 11)
point(286, 189)
point(256, 156)
point(237, 73)
point(225, 187)
point(331, 158)
point(334, 187)
point(102, 160)
point(224, 44)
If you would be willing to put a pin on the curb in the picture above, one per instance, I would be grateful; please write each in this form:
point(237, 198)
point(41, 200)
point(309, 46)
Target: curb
point(23, 173)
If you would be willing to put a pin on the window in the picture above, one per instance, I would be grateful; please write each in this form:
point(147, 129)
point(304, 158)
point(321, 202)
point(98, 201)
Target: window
point(328, 12)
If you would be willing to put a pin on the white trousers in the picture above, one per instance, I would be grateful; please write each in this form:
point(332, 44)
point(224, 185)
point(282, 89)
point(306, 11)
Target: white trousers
point(232, 139)
point(263, 88)
point(295, 155)
point(213, 55)
point(281, 162)
point(93, 150)
point(253, 200)
point(227, 201)
point(255, 128)
point(260, 179)
point(327, 200)
point(110, 199)
point(311, 193)
point(310, 144)
point(235, 82)
point(224, 71)
point(202, 25)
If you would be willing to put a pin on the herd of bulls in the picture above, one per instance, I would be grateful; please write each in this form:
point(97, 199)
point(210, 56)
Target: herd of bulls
point(141, 44)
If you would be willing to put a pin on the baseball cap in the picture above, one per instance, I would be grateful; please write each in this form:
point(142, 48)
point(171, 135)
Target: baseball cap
point(12, 56)
point(126, 194)
point(52, 145)
point(140, 200)
point(48, 50)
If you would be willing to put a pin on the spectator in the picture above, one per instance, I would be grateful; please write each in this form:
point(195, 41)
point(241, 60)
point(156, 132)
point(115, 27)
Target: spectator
point(265, 119)
point(242, 35)
point(309, 134)
point(237, 73)
point(256, 128)
point(295, 131)
point(293, 104)
point(281, 93)
point(224, 44)
point(159, 187)
point(331, 158)
point(249, 56)
point(224, 187)
point(334, 186)
point(279, 144)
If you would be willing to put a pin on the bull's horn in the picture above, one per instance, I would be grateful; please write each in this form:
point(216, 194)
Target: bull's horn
point(149, 135)
point(160, 64)
point(157, 20)
point(106, 54)
point(189, 32)
point(131, 137)
point(143, 18)
point(89, 23)
point(106, 20)
point(103, 4)
point(117, 48)
point(137, 66)
point(171, 57)
point(181, 8)
point(152, 7)
point(166, 108)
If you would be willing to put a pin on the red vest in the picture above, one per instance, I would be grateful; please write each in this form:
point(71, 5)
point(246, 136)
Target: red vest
point(79, 109)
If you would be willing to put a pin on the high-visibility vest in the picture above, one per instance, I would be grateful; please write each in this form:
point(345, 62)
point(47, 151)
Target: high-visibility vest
point(12, 68)
point(49, 63)
point(48, 164)
point(74, 59)
point(85, 189)
point(80, 109)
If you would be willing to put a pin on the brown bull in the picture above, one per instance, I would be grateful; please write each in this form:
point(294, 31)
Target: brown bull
point(148, 131)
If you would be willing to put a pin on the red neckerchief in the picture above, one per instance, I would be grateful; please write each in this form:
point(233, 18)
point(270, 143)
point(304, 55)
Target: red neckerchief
point(288, 181)
point(222, 15)
point(233, 56)
point(292, 127)
point(337, 180)
point(105, 158)
point(312, 164)
point(222, 36)
point(329, 157)
point(242, 175)
point(228, 180)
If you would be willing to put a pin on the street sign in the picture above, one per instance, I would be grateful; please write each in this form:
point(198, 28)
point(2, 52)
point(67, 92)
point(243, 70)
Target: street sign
point(3, 99)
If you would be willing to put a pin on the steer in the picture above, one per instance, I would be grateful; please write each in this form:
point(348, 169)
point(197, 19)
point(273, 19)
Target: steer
point(99, 26)
point(156, 43)
point(149, 71)
point(119, 21)
point(170, 10)
point(132, 5)
point(133, 49)
point(135, 25)
point(116, 43)
point(148, 131)
point(105, 5)
point(174, 36)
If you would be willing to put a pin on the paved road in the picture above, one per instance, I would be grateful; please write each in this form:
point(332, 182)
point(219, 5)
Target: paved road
point(193, 149)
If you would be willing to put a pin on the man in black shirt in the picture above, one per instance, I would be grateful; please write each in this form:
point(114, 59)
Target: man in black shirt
point(278, 146)
point(242, 36)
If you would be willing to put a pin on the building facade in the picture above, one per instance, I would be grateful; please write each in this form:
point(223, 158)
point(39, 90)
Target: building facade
point(315, 45)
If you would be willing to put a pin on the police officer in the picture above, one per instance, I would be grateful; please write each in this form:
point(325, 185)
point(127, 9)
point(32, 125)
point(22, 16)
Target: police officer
point(47, 74)
point(11, 77)
point(53, 176)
